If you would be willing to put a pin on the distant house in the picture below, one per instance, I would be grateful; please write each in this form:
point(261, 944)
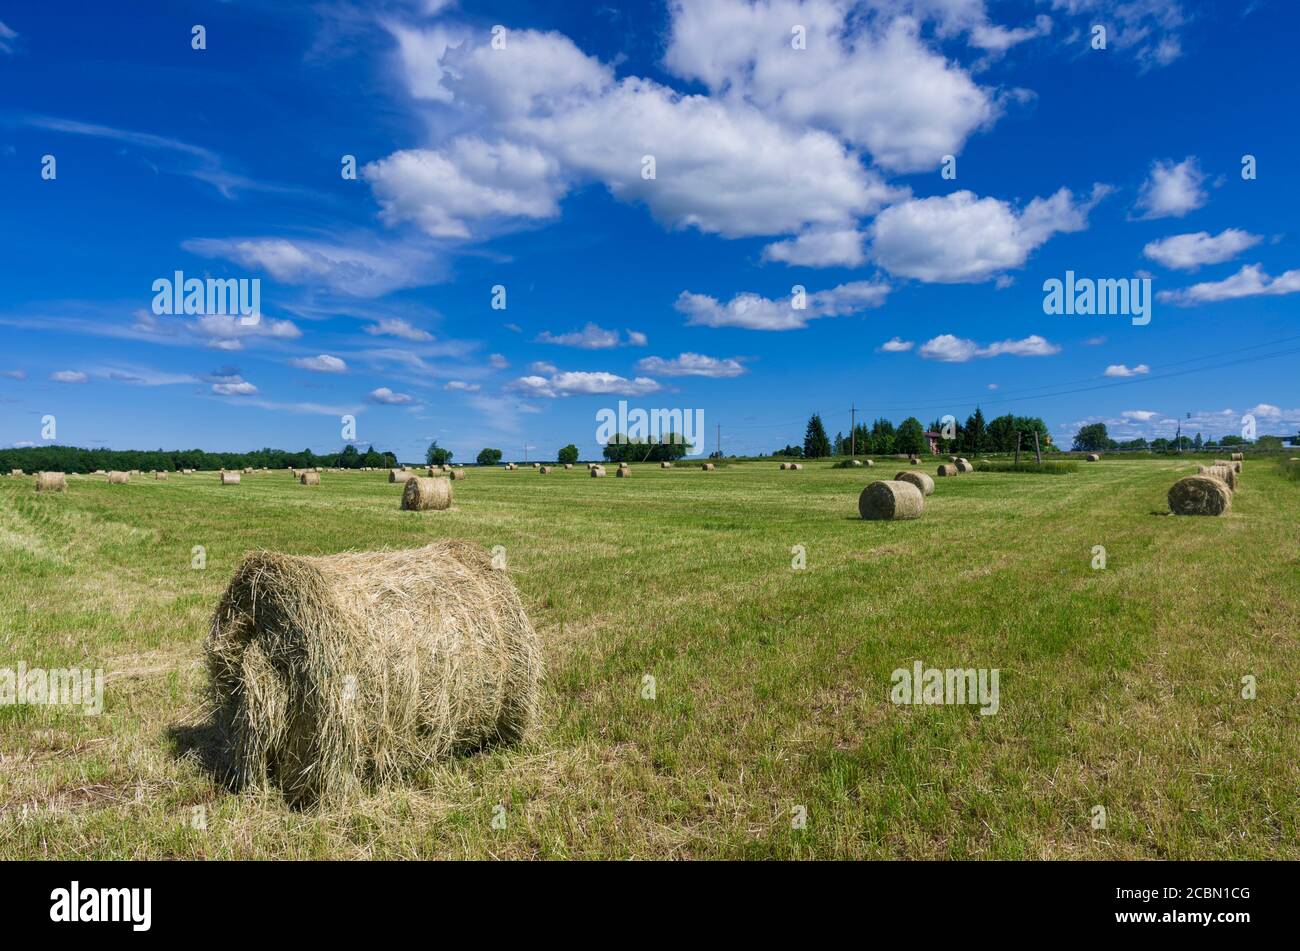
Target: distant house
point(933, 440)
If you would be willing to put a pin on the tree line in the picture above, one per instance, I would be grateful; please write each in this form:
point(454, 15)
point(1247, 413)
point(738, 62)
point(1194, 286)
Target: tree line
point(74, 459)
point(882, 437)
point(1095, 438)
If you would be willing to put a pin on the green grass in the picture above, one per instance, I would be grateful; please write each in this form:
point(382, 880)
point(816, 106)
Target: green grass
point(1119, 687)
point(1039, 468)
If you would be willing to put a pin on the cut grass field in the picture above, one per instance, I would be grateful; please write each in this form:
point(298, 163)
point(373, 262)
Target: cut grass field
point(1119, 688)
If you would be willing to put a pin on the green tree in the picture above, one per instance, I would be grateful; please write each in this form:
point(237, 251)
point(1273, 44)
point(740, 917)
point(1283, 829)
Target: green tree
point(974, 433)
point(489, 457)
point(816, 444)
point(349, 458)
point(1092, 438)
point(882, 437)
point(435, 455)
point(795, 452)
point(568, 455)
point(910, 437)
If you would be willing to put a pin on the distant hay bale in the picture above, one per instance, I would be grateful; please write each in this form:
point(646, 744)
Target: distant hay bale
point(856, 462)
point(511, 467)
point(952, 458)
point(51, 482)
point(890, 500)
point(119, 478)
point(947, 469)
point(536, 465)
point(337, 674)
point(623, 465)
point(248, 470)
point(963, 465)
point(623, 472)
point(15, 472)
point(544, 470)
point(160, 477)
point(230, 478)
point(784, 466)
point(1224, 473)
point(568, 465)
point(310, 478)
point(1233, 464)
point(1093, 457)
point(707, 466)
point(100, 472)
point(598, 472)
point(422, 494)
point(457, 474)
point(796, 465)
point(913, 461)
point(665, 465)
point(1200, 495)
point(1238, 457)
point(918, 479)
point(398, 475)
point(869, 463)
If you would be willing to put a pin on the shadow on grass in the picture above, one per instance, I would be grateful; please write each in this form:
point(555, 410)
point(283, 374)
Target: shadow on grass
point(207, 746)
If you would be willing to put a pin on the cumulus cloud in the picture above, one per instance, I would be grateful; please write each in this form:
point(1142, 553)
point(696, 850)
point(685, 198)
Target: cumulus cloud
point(753, 312)
point(959, 238)
point(324, 363)
point(820, 248)
point(593, 337)
point(896, 345)
point(228, 382)
point(383, 395)
point(1119, 369)
point(1141, 415)
point(951, 349)
point(1189, 251)
point(1172, 190)
point(397, 327)
point(69, 376)
point(578, 383)
point(692, 364)
point(1250, 281)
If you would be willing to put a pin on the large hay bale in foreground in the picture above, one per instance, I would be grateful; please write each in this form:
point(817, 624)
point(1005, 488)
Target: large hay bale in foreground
point(918, 479)
point(118, 478)
point(230, 478)
point(597, 472)
point(51, 482)
point(890, 500)
point(423, 494)
point(1200, 495)
point(331, 674)
point(947, 469)
point(310, 478)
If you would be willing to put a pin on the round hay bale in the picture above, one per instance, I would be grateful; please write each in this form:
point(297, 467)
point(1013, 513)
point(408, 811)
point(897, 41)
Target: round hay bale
point(397, 475)
point(665, 465)
point(913, 461)
point(230, 478)
point(598, 472)
point(918, 479)
point(1238, 457)
point(796, 465)
point(457, 474)
point(784, 466)
point(15, 472)
point(568, 465)
point(890, 500)
point(160, 477)
point(624, 465)
point(336, 674)
point(422, 494)
point(1200, 495)
point(536, 465)
point(947, 469)
point(1224, 473)
point(1093, 457)
point(51, 482)
point(707, 466)
point(544, 470)
point(952, 458)
point(119, 478)
point(310, 478)
point(623, 473)
point(856, 462)
point(964, 466)
point(511, 467)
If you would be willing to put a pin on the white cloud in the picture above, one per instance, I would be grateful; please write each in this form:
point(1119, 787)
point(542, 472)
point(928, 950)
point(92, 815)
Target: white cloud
point(959, 238)
point(397, 327)
point(1149, 30)
point(69, 376)
point(14, 374)
point(593, 337)
point(1171, 191)
point(896, 345)
point(460, 386)
point(498, 361)
point(1190, 251)
point(1119, 369)
point(388, 398)
point(354, 270)
point(820, 248)
point(321, 364)
point(541, 366)
point(753, 312)
point(951, 349)
point(232, 384)
point(7, 36)
point(1250, 281)
point(1141, 415)
point(583, 383)
point(692, 364)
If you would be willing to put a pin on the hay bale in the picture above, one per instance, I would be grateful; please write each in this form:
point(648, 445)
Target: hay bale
point(1200, 495)
point(597, 472)
point(422, 494)
point(1224, 473)
point(890, 500)
point(457, 474)
point(624, 465)
point(51, 482)
point(544, 470)
point(963, 465)
point(707, 466)
point(398, 475)
point(536, 465)
point(918, 479)
point(160, 477)
point(119, 478)
point(1234, 465)
point(230, 478)
point(665, 465)
point(952, 458)
point(856, 462)
point(784, 466)
point(796, 465)
point(1093, 457)
point(623, 472)
point(310, 478)
point(1238, 457)
point(510, 467)
point(336, 674)
point(947, 469)
point(15, 472)
point(568, 465)
point(913, 461)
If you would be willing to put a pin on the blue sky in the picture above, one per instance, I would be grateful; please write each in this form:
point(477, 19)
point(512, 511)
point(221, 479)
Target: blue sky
point(523, 167)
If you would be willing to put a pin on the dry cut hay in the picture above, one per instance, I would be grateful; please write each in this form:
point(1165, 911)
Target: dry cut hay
point(918, 479)
point(623, 473)
point(1200, 495)
point(422, 494)
point(335, 674)
point(310, 478)
point(51, 482)
point(119, 478)
point(598, 472)
point(1093, 457)
point(947, 469)
point(230, 478)
point(890, 500)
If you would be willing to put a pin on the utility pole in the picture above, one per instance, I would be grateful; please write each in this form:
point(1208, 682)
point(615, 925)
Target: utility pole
point(719, 440)
point(1038, 452)
point(525, 451)
point(853, 430)
point(1018, 435)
